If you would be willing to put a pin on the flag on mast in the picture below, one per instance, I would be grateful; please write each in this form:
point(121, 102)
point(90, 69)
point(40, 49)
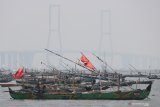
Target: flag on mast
point(19, 74)
point(87, 63)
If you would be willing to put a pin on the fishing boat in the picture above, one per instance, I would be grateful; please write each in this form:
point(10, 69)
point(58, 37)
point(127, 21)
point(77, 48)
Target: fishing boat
point(137, 94)
point(75, 90)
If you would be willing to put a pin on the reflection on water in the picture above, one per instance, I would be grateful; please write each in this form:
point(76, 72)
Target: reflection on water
point(152, 101)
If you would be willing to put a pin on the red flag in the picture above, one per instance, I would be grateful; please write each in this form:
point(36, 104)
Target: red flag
point(87, 63)
point(19, 74)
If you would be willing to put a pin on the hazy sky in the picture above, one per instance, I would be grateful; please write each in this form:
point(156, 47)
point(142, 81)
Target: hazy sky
point(135, 25)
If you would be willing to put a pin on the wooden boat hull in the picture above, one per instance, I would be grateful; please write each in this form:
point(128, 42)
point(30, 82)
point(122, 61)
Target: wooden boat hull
point(118, 95)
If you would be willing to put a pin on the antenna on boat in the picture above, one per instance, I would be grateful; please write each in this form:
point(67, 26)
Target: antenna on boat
point(68, 69)
point(51, 67)
point(105, 63)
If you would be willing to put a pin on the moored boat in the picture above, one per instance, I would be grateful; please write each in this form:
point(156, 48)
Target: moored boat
point(137, 94)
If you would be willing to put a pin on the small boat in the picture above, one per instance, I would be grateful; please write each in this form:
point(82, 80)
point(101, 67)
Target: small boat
point(8, 84)
point(137, 94)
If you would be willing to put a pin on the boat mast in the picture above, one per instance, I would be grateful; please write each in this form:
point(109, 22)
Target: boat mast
point(100, 84)
point(68, 59)
point(118, 82)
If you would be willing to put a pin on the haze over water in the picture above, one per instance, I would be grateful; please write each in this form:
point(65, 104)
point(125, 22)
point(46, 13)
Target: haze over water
point(104, 26)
